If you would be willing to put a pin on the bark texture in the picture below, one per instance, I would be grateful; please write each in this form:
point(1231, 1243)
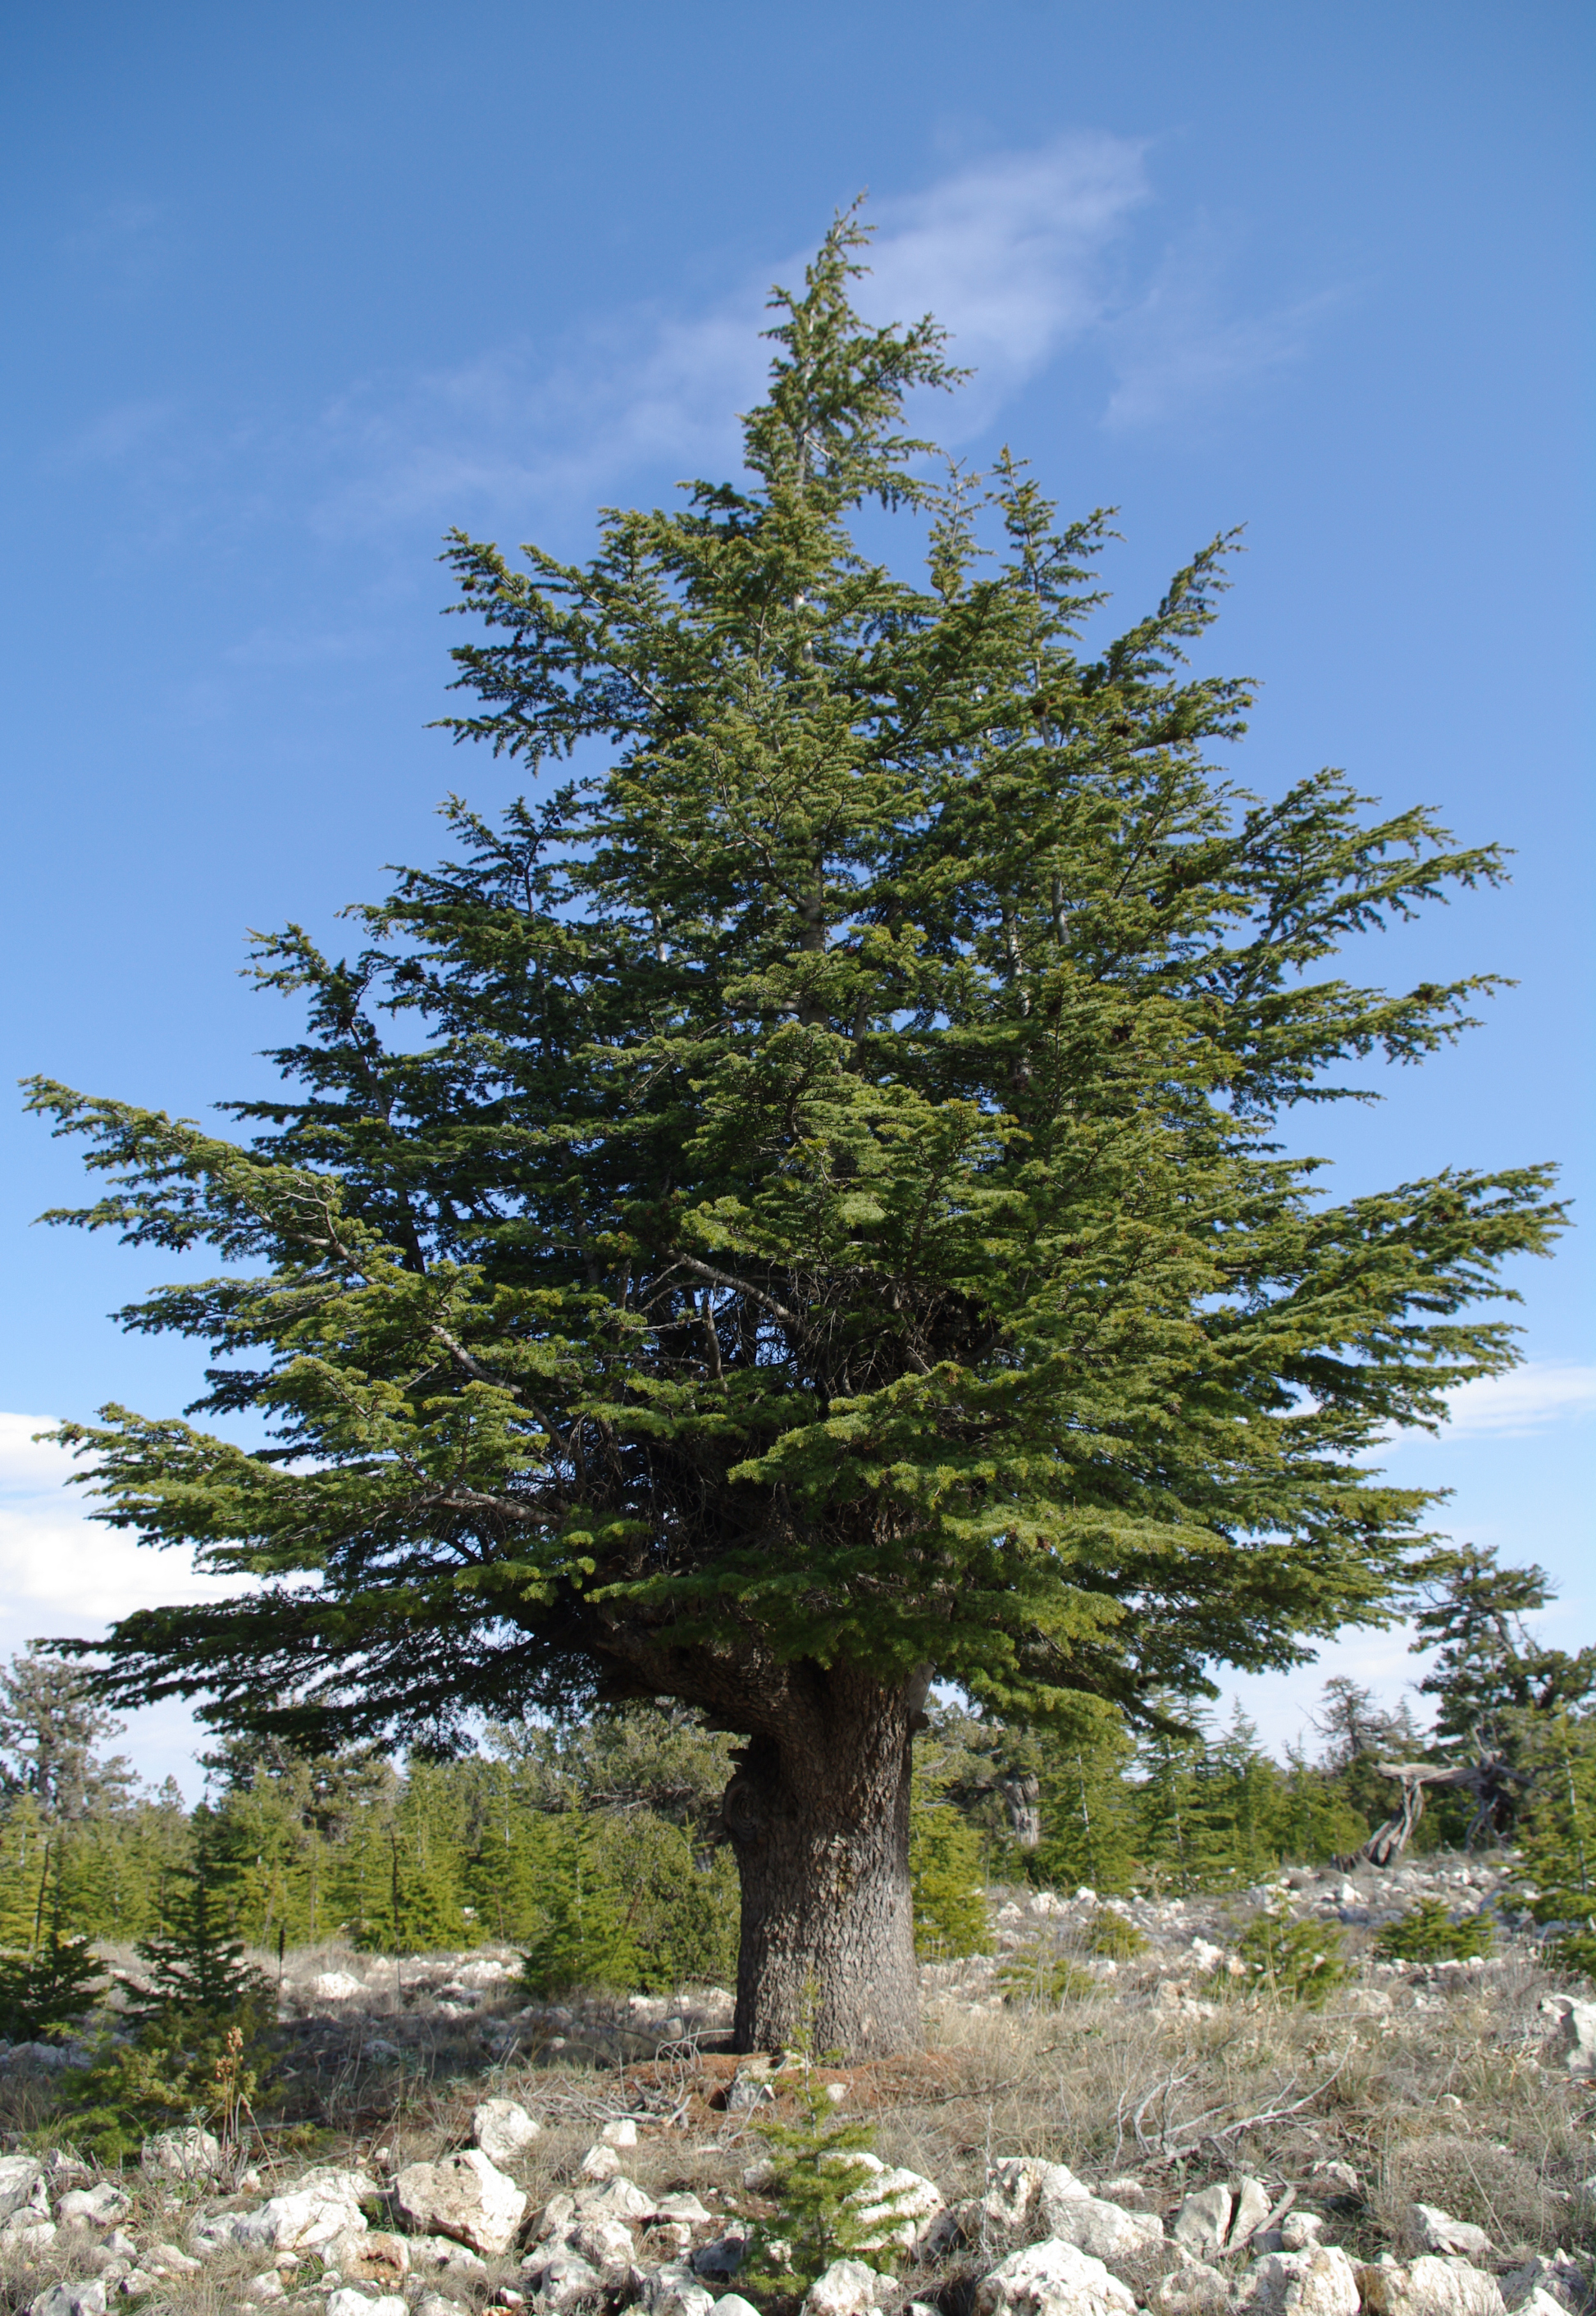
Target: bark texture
point(818, 1814)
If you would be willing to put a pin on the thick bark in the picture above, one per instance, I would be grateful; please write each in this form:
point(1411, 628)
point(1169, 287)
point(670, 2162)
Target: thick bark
point(818, 1814)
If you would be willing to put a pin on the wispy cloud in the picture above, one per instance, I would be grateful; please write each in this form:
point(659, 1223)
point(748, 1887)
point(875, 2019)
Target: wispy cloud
point(60, 1570)
point(1531, 1399)
point(1025, 257)
point(1181, 346)
point(1007, 254)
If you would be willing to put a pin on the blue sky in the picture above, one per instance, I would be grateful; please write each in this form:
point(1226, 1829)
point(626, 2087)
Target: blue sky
point(292, 290)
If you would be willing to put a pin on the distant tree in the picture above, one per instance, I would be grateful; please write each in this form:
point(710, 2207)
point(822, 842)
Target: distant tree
point(195, 1968)
point(49, 1728)
point(823, 1226)
point(1489, 1670)
point(1359, 1733)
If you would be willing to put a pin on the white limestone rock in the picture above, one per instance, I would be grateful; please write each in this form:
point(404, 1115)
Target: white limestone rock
point(1107, 2231)
point(1194, 2289)
point(300, 2219)
point(68, 2299)
point(1203, 2220)
point(335, 1986)
point(1319, 2282)
point(1252, 2207)
point(188, 2154)
point(1572, 2042)
point(1016, 2187)
point(504, 2130)
point(621, 2199)
point(347, 2302)
point(893, 2207)
point(441, 2256)
point(1430, 2287)
point(1426, 2228)
point(22, 2189)
point(374, 2257)
point(567, 2280)
point(673, 2290)
point(683, 2208)
point(849, 2288)
point(1052, 2278)
point(465, 2196)
point(93, 2207)
point(1557, 2278)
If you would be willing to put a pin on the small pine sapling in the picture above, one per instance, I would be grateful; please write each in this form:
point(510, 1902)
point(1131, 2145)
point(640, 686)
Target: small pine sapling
point(1297, 1962)
point(822, 2167)
point(1114, 1936)
point(48, 1989)
point(1430, 1932)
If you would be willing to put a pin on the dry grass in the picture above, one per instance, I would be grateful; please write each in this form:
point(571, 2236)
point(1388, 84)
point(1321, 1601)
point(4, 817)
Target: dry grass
point(1431, 2088)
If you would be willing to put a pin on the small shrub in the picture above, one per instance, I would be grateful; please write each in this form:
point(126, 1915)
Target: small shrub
point(173, 2072)
point(1042, 1974)
point(815, 2168)
point(1114, 1935)
point(945, 1877)
point(1427, 1932)
point(51, 1987)
point(1575, 1952)
point(1299, 1961)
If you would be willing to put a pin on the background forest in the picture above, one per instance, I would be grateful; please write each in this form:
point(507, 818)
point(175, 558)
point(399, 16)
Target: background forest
point(595, 1849)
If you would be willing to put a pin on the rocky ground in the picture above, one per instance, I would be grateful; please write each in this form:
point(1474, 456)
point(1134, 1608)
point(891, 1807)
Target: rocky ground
point(1169, 2137)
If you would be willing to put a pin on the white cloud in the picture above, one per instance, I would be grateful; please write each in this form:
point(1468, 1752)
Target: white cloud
point(1007, 253)
point(1511, 1406)
point(60, 1570)
point(1177, 347)
point(1022, 256)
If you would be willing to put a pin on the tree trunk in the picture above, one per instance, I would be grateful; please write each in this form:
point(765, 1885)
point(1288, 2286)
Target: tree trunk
point(818, 1814)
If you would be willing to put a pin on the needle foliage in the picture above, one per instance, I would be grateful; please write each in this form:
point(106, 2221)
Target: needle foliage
point(807, 1187)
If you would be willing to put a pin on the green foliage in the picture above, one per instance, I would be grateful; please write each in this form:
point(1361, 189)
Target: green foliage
point(51, 1987)
point(1430, 1932)
point(1114, 1935)
point(1042, 1974)
point(813, 2173)
point(679, 1906)
point(945, 1878)
point(1575, 1952)
point(1489, 1675)
point(196, 1968)
point(823, 1201)
point(175, 2069)
point(585, 1940)
point(1090, 1823)
point(1556, 1834)
point(1297, 1961)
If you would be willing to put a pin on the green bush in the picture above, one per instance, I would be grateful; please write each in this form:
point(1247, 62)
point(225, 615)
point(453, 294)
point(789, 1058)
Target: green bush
point(1114, 1935)
point(51, 1987)
point(1299, 1962)
point(945, 1877)
point(176, 2070)
point(1427, 1932)
point(1575, 1952)
point(816, 2167)
point(1042, 1975)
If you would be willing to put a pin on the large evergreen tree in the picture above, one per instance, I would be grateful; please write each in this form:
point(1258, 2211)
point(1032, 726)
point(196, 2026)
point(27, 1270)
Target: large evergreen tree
point(819, 1225)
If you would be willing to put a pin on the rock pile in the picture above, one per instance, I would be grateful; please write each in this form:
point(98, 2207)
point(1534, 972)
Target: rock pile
point(1038, 2241)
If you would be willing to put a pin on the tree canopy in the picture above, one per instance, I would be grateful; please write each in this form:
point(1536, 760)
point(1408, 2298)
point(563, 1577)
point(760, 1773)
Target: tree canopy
point(805, 1195)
